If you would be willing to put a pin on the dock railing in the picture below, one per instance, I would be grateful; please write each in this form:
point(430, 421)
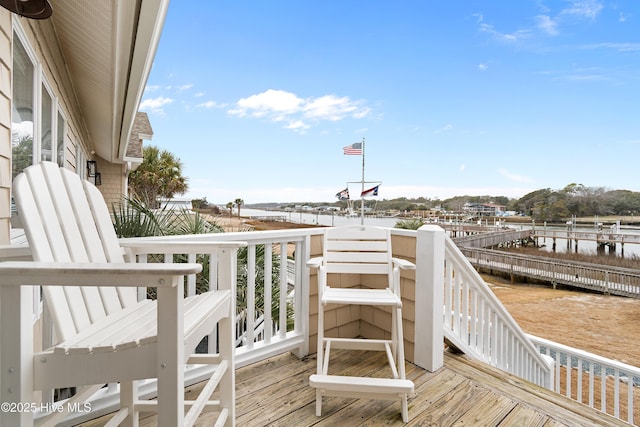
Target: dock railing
point(606, 279)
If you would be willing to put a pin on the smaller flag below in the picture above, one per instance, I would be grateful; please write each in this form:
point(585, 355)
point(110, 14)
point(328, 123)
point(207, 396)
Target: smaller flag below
point(343, 195)
point(354, 149)
point(370, 192)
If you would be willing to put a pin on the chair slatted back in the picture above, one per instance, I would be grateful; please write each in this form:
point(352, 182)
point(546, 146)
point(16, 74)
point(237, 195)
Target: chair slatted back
point(67, 220)
point(358, 250)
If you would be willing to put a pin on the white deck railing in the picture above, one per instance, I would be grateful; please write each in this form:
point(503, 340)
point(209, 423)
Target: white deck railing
point(604, 384)
point(276, 257)
point(477, 323)
point(474, 319)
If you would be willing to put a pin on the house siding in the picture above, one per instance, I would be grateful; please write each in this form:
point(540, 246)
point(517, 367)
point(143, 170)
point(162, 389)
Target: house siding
point(112, 180)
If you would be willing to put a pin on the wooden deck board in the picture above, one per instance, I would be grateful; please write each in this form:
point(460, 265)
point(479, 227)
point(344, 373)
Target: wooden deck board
point(276, 392)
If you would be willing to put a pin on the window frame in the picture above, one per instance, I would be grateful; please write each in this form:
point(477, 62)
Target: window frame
point(40, 84)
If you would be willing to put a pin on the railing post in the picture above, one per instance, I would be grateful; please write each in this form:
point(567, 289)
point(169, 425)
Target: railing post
point(429, 336)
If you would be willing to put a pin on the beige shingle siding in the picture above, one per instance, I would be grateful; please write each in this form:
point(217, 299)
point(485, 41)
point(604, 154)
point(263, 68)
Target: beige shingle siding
point(141, 130)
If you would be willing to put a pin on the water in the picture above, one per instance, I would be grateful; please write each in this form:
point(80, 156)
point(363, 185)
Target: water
point(328, 219)
point(332, 220)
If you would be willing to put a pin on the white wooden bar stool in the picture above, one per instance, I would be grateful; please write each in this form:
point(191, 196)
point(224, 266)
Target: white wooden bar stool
point(359, 251)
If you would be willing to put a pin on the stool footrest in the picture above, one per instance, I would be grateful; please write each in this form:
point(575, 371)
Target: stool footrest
point(361, 384)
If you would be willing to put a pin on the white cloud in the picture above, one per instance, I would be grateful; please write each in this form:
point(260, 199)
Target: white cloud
point(462, 167)
point(211, 104)
point(184, 87)
point(330, 107)
point(620, 47)
point(547, 25)
point(270, 101)
point(155, 104)
point(514, 177)
point(584, 9)
point(483, 67)
point(287, 107)
point(505, 37)
point(298, 126)
point(445, 128)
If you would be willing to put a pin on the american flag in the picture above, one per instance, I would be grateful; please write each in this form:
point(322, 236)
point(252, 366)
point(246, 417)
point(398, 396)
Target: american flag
point(343, 195)
point(354, 149)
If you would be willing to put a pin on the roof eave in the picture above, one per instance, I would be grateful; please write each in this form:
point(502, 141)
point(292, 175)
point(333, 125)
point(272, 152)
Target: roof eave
point(143, 45)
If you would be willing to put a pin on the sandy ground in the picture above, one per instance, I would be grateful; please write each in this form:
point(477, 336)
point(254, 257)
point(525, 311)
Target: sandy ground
point(600, 324)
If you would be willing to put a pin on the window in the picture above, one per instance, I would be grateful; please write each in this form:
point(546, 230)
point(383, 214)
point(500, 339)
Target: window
point(36, 135)
point(60, 139)
point(22, 137)
point(46, 125)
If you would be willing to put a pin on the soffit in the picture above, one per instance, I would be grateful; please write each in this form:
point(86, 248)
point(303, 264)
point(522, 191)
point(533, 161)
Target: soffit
point(103, 43)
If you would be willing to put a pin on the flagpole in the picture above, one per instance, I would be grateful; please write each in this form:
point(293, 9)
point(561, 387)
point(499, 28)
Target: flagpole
point(362, 192)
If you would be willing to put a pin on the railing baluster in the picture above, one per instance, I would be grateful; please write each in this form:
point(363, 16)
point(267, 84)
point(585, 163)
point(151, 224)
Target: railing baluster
point(268, 260)
point(284, 290)
point(251, 295)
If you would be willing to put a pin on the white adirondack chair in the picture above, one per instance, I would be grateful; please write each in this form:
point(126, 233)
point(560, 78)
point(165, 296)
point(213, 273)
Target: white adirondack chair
point(360, 250)
point(105, 334)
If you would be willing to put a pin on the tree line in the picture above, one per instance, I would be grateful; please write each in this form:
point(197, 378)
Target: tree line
point(160, 175)
point(542, 205)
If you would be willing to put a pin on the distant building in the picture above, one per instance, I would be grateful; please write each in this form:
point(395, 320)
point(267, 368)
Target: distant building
point(483, 209)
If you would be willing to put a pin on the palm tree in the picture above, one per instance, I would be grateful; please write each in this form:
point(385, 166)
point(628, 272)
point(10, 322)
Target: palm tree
point(230, 207)
point(238, 202)
point(409, 224)
point(159, 175)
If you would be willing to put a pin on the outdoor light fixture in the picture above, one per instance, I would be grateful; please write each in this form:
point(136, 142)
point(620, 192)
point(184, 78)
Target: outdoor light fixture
point(92, 168)
point(97, 179)
point(34, 9)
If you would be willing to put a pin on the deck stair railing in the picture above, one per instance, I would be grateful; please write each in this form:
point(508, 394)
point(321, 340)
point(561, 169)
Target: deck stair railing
point(477, 323)
point(608, 385)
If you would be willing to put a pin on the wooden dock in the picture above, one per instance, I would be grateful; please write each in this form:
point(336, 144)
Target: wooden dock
point(599, 278)
point(276, 392)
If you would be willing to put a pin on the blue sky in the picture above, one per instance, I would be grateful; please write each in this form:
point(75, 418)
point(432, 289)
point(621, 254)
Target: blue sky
point(257, 98)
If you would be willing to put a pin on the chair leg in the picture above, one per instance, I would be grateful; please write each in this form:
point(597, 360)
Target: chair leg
point(320, 356)
point(128, 397)
point(318, 403)
point(405, 409)
point(227, 386)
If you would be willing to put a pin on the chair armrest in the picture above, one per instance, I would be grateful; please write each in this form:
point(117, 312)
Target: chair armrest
point(314, 262)
point(145, 246)
point(20, 252)
point(16, 273)
point(403, 264)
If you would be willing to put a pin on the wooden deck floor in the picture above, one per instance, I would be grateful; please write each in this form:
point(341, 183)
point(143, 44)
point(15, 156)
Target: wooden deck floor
point(276, 392)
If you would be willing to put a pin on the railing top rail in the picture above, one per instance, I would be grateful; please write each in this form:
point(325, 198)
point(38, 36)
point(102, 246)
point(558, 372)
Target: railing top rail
point(454, 253)
point(265, 236)
point(585, 355)
point(547, 260)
